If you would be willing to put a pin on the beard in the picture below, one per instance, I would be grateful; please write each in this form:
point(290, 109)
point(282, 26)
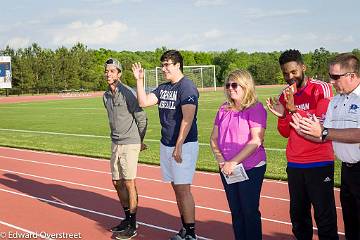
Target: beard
point(299, 80)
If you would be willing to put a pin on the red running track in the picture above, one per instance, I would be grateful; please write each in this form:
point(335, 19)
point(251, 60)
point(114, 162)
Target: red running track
point(61, 194)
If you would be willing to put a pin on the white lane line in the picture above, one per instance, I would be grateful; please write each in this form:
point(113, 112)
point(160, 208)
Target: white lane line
point(141, 164)
point(54, 154)
point(97, 171)
point(152, 198)
point(53, 133)
point(107, 161)
point(53, 164)
point(92, 211)
point(197, 172)
point(105, 137)
point(108, 190)
point(141, 223)
point(108, 215)
point(142, 178)
point(28, 234)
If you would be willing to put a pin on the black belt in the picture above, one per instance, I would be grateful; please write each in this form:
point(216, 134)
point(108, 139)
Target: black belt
point(351, 164)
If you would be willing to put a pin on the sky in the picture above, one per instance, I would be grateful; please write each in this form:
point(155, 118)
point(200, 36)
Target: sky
point(197, 25)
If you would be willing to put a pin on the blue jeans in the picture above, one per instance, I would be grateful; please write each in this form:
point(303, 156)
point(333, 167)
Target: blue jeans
point(243, 198)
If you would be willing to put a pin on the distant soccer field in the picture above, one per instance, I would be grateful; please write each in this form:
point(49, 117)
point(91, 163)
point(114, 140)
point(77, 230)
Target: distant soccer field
point(80, 126)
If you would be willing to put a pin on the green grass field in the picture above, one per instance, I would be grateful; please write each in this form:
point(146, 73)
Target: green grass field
point(80, 126)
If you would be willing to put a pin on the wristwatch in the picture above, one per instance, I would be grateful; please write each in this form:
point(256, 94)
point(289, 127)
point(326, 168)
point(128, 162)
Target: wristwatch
point(324, 133)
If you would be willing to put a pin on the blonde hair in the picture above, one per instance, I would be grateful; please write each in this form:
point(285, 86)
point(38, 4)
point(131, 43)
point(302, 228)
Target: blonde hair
point(246, 81)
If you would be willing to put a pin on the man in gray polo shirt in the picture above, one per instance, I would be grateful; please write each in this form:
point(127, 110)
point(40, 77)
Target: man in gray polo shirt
point(128, 127)
point(342, 126)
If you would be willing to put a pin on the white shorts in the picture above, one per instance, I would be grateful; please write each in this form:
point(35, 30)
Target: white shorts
point(179, 173)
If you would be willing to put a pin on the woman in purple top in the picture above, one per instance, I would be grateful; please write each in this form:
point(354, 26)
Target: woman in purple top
point(237, 138)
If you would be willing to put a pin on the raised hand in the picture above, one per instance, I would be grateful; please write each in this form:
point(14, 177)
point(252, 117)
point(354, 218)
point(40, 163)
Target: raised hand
point(138, 71)
point(289, 99)
point(275, 107)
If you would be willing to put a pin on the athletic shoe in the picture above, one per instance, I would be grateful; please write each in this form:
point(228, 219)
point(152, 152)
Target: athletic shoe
point(189, 237)
point(180, 235)
point(128, 233)
point(121, 227)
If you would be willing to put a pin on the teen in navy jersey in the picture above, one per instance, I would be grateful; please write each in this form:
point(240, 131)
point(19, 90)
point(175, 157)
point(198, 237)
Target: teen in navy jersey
point(170, 99)
point(177, 102)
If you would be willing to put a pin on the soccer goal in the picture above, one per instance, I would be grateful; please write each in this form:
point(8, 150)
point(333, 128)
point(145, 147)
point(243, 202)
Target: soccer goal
point(203, 76)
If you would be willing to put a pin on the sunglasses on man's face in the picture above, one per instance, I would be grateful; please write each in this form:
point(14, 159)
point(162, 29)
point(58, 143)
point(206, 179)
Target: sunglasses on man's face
point(338, 76)
point(233, 85)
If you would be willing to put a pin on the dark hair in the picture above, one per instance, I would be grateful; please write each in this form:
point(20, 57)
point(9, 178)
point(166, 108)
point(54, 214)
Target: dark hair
point(291, 55)
point(174, 56)
point(115, 62)
point(347, 61)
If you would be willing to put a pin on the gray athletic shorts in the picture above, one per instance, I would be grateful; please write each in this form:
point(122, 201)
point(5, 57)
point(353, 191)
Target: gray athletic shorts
point(179, 173)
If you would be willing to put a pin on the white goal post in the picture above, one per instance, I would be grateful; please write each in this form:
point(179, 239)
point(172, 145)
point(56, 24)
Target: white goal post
point(203, 77)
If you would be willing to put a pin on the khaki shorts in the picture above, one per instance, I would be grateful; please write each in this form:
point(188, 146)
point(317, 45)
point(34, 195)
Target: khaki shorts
point(124, 161)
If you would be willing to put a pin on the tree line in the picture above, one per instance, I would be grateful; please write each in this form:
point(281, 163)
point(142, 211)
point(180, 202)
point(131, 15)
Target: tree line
point(40, 70)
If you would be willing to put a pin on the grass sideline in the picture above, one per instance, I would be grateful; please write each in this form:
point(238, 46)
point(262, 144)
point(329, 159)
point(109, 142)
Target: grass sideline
point(80, 127)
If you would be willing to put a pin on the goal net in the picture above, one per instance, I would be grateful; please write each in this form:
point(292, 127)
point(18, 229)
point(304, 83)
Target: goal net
point(203, 77)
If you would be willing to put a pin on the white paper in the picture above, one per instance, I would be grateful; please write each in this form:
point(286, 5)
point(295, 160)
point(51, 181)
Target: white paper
point(238, 175)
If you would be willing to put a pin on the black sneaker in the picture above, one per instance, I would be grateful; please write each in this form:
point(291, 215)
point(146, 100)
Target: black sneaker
point(121, 227)
point(189, 237)
point(180, 235)
point(128, 233)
